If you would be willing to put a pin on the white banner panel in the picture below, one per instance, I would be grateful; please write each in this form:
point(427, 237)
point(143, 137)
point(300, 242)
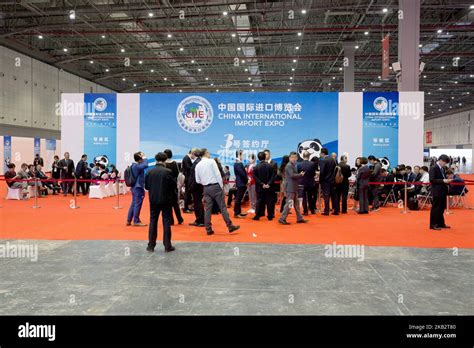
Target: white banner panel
point(411, 113)
point(72, 125)
point(128, 129)
point(350, 125)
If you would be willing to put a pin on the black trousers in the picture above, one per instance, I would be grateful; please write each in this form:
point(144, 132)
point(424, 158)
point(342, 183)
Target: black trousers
point(437, 211)
point(329, 192)
point(238, 200)
point(265, 198)
point(198, 206)
point(187, 195)
point(342, 191)
point(363, 199)
point(155, 210)
point(177, 210)
point(310, 195)
point(66, 186)
point(83, 187)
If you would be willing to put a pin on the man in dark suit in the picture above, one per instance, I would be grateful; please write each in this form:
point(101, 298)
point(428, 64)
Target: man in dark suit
point(439, 190)
point(81, 174)
point(276, 185)
point(186, 165)
point(327, 173)
point(197, 190)
point(264, 175)
point(66, 166)
point(292, 178)
point(38, 160)
point(241, 180)
point(309, 184)
point(342, 189)
point(375, 177)
point(363, 177)
point(161, 188)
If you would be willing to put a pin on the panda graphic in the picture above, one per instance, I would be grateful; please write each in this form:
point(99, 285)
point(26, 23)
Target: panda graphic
point(103, 159)
point(313, 146)
point(385, 163)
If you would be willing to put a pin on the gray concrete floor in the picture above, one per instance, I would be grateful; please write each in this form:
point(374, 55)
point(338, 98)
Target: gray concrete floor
point(121, 278)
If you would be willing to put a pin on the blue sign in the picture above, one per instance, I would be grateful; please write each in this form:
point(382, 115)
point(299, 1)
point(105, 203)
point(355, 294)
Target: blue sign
point(50, 144)
point(100, 125)
point(37, 146)
point(7, 151)
point(226, 122)
point(380, 126)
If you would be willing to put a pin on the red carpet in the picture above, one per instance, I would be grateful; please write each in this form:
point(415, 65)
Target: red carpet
point(96, 219)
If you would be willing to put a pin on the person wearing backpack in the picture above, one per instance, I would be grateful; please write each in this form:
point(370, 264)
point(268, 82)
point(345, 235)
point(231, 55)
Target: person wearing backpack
point(137, 184)
point(343, 173)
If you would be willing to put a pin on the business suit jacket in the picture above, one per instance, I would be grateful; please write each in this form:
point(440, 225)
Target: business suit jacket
point(292, 178)
point(193, 185)
point(173, 166)
point(186, 165)
point(375, 175)
point(363, 176)
point(346, 174)
point(160, 184)
point(263, 173)
point(66, 173)
point(327, 172)
point(241, 177)
point(309, 169)
point(81, 168)
point(438, 187)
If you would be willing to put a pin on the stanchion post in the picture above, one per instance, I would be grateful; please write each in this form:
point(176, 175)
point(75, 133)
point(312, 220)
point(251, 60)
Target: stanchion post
point(319, 198)
point(36, 206)
point(447, 206)
point(118, 195)
point(405, 200)
point(74, 205)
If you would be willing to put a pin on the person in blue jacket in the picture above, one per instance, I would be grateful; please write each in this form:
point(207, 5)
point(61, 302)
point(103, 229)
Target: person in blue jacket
point(138, 189)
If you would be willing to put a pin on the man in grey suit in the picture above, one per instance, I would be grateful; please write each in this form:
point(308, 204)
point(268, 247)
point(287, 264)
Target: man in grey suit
point(292, 178)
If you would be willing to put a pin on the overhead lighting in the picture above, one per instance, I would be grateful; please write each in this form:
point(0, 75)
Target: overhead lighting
point(420, 45)
point(207, 78)
point(107, 70)
point(442, 67)
point(152, 70)
point(429, 92)
point(366, 33)
point(253, 90)
point(460, 104)
point(92, 62)
point(123, 79)
point(140, 62)
point(452, 97)
point(431, 104)
point(379, 77)
point(442, 101)
point(457, 58)
point(181, 49)
point(455, 82)
point(169, 36)
point(471, 7)
point(300, 33)
point(424, 76)
point(439, 110)
point(357, 47)
point(363, 89)
point(385, 10)
point(65, 49)
point(180, 91)
point(146, 90)
point(103, 36)
point(150, 14)
point(294, 60)
point(122, 50)
point(72, 15)
point(291, 77)
point(243, 62)
point(297, 48)
point(291, 83)
point(40, 36)
point(289, 89)
point(340, 69)
point(165, 79)
point(225, 13)
point(329, 84)
point(134, 85)
point(250, 84)
point(292, 69)
point(217, 90)
point(238, 48)
point(233, 35)
point(249, 78)
point(172, 85)
point(212, 84)
point(246, 69)
point(199, 69)
point(440, 31)
point(303, 11)
point(192, 61)
point(334, 77)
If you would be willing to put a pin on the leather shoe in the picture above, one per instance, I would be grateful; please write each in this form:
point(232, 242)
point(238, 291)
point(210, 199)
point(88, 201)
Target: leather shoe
point(283, 222)
point(150, 249)
point(128, 224)
point(210, 233)
point(196, 224)
point(445, 226)
point(233, 228)
point(301, 221)
point(170, 249)
point(325, 214)
point(140, 224)
point(180, 222)
point(436, 228)
point(256, 218)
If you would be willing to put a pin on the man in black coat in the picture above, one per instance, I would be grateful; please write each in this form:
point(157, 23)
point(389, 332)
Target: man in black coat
point(264, 176)
point(375, 177)
point(81, 169)
point(276, 185)
point(197, 190)
point(186, 165)
point(439, 190)
point(161, 188)
point(327, 173)
point(241, 181)
point(310, 193)
point(66, 166)
point(342, 189)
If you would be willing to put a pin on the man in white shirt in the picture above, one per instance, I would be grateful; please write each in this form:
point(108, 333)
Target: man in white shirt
point(425, 178)
point(208, 175)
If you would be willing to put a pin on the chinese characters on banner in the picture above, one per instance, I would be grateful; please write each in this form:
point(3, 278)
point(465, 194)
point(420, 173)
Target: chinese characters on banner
point(385, 57)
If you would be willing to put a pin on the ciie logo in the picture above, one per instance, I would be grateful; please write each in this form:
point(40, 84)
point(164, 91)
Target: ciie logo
point(194, 114)
point(100, 104)
point(380, 104)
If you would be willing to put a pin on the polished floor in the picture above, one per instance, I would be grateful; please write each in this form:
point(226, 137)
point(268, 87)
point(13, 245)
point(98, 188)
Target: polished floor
point(121, 278)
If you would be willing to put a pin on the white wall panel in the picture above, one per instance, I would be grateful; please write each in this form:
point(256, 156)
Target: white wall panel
point(410, 128)
point(72, 135)
point(350, 125)
point(128, 128)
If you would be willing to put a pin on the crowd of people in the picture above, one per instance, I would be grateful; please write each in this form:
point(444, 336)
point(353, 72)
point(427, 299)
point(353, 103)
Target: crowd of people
point(203, 184)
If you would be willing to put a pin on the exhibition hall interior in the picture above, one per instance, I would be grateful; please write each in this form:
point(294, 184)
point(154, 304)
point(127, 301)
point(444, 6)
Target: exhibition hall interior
point(236, 158)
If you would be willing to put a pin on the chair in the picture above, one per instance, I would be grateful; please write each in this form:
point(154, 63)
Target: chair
point(458, 201)
point(120, 190)
point(14, 193)
point(98, 191)
point(110, 188)
point(391, 196)
point(425, 198)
